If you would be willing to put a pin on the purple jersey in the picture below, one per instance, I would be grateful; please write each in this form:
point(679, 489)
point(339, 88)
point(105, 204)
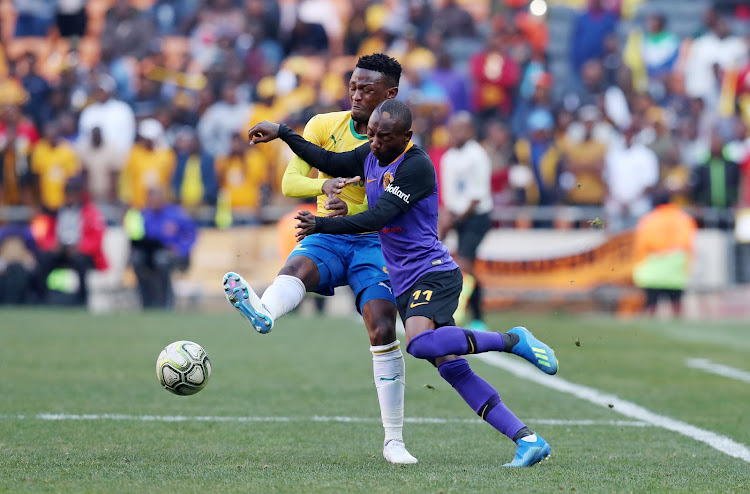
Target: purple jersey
point(403, 199)
point(409, 241)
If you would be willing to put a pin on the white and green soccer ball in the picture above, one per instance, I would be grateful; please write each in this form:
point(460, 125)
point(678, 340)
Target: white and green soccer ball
point(183, 368)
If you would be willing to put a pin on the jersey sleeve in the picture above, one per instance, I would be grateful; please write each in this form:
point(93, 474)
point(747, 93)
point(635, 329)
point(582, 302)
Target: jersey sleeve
point(414, 180)
point(296, 181)
point(349, 164)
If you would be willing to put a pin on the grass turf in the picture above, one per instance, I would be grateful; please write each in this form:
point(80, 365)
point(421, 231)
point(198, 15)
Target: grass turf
point(73, 363)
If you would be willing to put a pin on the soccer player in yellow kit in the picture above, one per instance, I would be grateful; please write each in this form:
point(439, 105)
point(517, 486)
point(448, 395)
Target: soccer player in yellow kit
point(322, 262)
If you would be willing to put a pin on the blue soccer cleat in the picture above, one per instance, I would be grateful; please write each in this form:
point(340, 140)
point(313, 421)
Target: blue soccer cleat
point(244, 299)
point(530, 453)
point(533, 350)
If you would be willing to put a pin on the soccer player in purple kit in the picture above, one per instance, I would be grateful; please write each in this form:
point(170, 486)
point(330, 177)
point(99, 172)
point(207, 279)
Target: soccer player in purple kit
point(401, 189)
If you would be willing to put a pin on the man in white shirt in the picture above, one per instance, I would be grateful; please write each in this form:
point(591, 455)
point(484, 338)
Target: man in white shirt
point(115, 118)
point(631, 171)
point(222, 120)
point(102, 165)
point(710, 54)
point(465, 171)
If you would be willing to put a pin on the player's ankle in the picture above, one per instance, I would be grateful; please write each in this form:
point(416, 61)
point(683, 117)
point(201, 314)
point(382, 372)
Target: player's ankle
point(510, 340)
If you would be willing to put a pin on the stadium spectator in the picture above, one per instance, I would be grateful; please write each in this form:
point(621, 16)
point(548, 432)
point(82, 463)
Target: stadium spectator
point(495, 76)
point(542, 160)
point(499, 147)
point(465, 172)
point(737, 147)
point(453, 21)
point(35, 17)
point(54, 162)
point(162, 237)
point(148, 98)
point(127, 32)
point(151, 164)
point(194, 180)
point(222, 120)
point(664, 240)
point(659, 51)
point(631, 171)
point(173, 17)
point(540, 100)
point(17, 138)
point(715, 51)
point(18, 254)
point(36, 87)
point(590, 30)
point(306, 38)
point(584, 161)
point(115, 118)
point(71, 18)
point(412, 53)
point(693, 147)
point(356, 29)
point(263, 20)
point(664, 143)
point(242, 174)
point(70, 239)
point(101, 163)
point(591, 90)
point(715, 183)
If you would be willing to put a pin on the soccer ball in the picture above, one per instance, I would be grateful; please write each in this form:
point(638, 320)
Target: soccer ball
point(183, 368)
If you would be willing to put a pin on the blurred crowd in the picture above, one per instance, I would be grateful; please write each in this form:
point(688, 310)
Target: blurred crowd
point(135, 99)
point(159, 93)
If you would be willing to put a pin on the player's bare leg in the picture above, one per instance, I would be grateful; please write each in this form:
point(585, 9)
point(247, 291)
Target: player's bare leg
point(300, 274)
point(479, 395)
point(390, 376)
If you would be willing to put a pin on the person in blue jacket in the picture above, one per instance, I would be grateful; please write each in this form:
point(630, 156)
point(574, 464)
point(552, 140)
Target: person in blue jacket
point(162, 236)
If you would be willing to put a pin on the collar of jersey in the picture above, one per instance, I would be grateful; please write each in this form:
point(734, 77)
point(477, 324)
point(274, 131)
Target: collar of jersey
point(408, 146)
point(354, 132)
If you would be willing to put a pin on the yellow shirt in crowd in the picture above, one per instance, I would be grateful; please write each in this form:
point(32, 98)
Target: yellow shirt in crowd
point(54, 166)
point(146, 169)
point(334, 132)
point(242, 177)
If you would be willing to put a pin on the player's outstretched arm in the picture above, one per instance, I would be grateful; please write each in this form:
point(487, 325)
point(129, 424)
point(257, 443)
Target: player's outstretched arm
point(414, 180)
point(346, 164)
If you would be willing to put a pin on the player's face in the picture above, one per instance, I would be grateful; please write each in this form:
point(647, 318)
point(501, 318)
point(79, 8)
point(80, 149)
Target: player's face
point(367, 89)
point(387, 139)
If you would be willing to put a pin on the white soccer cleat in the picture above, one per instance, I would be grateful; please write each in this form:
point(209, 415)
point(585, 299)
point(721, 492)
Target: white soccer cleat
point(394, 451)
point(244, 299)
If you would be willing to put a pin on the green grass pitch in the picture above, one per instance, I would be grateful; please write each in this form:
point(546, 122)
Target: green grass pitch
point(57, 362)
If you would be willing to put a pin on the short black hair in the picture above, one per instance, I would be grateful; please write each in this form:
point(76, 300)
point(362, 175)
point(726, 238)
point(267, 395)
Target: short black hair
point(398, 111)
point(380, 62)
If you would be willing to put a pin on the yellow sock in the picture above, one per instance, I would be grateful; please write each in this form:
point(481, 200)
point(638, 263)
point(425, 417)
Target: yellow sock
point(467, 290)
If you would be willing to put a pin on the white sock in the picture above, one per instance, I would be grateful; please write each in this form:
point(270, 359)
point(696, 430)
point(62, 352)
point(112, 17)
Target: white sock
point(390, 376)
point(284, 295)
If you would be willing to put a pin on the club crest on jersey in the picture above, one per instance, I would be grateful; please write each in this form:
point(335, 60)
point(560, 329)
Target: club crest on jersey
point(387, 179)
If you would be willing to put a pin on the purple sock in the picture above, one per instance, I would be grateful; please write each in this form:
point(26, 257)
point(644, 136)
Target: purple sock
point(480, 396)
point(452, 340)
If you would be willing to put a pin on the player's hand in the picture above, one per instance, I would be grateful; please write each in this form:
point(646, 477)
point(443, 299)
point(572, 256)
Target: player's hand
point(336, 185)
point(337, 207)
point(306, 225)
point(263, 132)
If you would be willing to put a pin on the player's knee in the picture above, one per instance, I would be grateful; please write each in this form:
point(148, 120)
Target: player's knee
point(304, 269)
point(421, 346)
point(382, 332)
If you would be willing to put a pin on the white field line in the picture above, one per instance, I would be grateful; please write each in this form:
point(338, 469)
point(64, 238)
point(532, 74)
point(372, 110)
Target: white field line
point(629, 409)
point(314, 418)
point(718, 369)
